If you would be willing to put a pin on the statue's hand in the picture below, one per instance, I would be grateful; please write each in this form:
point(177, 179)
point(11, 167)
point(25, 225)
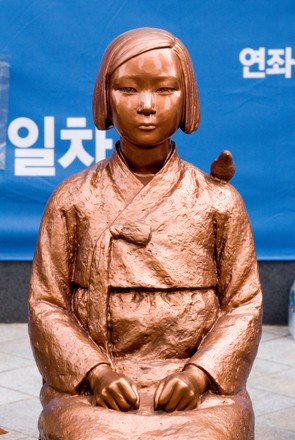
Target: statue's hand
point(112, 390)
point(181, 391)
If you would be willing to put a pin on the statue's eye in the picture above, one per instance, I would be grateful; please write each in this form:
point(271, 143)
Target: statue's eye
point(127, 90)
point(165, 90)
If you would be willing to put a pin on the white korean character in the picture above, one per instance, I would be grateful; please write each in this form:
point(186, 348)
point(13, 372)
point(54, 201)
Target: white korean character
point(281, 62)
point(76, 136)
point(102, 144)
point(33, 161)
point(289, 62)
point(249, 57)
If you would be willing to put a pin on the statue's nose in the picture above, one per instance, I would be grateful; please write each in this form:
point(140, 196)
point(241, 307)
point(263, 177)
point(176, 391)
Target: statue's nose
point(146, 103)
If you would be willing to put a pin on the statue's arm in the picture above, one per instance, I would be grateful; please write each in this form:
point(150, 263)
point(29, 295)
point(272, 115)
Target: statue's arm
point(63, 350)
point(225, 356)
point(227, 353)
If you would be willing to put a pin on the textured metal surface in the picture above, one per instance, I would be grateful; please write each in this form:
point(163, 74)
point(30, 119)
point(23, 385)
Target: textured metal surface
point(145, 294)
point(276, 278)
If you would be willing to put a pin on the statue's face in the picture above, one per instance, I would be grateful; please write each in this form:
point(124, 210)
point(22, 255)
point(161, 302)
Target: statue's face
point(146, 98)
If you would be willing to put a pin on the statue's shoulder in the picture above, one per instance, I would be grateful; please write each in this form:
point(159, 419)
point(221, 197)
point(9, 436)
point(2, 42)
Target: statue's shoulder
point(75, 188)
point(224, 196)
point(218, 191)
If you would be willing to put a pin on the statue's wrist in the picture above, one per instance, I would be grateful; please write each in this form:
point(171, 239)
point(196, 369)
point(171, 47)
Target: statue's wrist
point(199, 377)
point(96, 374)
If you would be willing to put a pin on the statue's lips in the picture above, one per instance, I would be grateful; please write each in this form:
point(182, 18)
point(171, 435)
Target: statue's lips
point(147, 127)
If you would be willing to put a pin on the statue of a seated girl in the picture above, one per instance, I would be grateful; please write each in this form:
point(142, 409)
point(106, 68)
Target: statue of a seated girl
point(145, 303)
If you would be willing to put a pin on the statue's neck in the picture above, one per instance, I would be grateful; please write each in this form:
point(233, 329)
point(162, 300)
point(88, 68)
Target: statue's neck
point(145, 160)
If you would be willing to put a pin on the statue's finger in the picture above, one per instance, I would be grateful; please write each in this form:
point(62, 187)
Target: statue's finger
point(186, 400)
point(128, 391)
point(120, 398)
point(175, 398)
point(99, 402)
point(111, 402)
point(157, 394)
point(137, 402)
point(192, 405)
point(167, 392)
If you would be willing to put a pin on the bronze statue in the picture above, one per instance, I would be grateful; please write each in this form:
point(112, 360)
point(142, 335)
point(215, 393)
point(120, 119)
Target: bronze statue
point(145, 303)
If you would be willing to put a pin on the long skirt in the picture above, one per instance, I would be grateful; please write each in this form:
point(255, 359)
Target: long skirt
point(73, 417)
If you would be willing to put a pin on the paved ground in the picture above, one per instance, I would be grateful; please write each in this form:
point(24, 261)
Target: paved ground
point(271, 385)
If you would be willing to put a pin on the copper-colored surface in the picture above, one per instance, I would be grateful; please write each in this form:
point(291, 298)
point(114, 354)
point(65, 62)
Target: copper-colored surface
point(145, 303)
point(223, 167)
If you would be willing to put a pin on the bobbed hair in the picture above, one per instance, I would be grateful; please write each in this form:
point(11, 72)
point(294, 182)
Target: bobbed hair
point(130, 44)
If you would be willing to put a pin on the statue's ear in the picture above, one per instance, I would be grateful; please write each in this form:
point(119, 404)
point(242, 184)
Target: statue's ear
point(223, 167)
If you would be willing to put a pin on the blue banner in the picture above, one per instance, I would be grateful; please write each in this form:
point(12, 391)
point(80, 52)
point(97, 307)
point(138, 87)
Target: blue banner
point(244, 58)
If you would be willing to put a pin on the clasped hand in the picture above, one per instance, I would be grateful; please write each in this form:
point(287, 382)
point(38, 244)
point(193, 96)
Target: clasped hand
point(112, 390)
point(177, 392)
point(181, 391)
